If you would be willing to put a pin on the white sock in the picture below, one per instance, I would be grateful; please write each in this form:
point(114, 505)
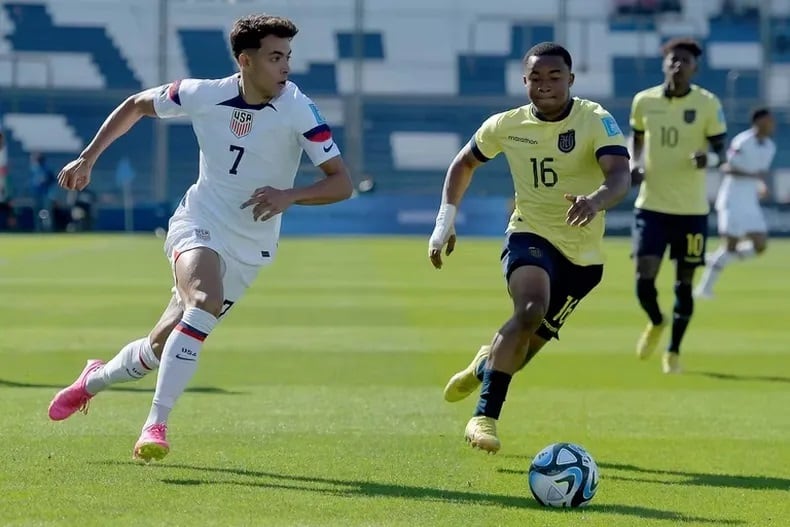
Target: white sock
point(133, 362)
point(718, 262)
point(179, 362)
point(745, 250)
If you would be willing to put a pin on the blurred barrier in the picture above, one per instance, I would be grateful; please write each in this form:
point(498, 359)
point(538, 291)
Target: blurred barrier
point(388, 215)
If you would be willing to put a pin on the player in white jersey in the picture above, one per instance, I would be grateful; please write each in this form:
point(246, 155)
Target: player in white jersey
point(252, 128)
point(741, 223)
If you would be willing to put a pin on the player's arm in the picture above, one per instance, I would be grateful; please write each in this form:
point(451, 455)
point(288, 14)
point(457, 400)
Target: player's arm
point(120, 121)
point(483, 147)
point(336, 185)
point(636, 143)
point(716, 134)
point(268, 201)
point(617, 181)
point(717, 157)
point(76, 174)
point(613, 159)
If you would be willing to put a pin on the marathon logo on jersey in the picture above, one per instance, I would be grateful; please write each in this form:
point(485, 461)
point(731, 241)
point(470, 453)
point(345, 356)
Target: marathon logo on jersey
point(241, 122)
point(689, 116)
point(566, 141)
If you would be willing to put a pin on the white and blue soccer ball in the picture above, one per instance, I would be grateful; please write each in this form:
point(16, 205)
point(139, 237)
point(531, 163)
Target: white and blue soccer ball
point(563, 475)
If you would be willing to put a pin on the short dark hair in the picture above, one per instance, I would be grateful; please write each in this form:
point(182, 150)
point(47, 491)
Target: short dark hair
point(684, 43)
point(759, 113)
point(248, 31)
point(549, 49)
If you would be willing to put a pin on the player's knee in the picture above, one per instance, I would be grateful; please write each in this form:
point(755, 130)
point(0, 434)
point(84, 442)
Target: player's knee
point(530, 314)
point(684, 301)
point(206, 302)
point(646, 288)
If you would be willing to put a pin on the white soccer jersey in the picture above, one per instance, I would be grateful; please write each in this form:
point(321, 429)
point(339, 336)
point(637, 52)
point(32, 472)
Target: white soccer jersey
point(750, 154)
point(244, 147)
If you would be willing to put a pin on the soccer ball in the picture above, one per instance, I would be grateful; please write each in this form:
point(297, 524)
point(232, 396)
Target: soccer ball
point(563, 475)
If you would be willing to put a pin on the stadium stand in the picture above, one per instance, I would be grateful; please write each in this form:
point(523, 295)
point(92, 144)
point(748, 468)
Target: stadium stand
point(68, 63)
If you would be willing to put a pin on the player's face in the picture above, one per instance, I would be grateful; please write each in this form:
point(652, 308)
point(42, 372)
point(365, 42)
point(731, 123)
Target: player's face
point(548, 80)
point(680, 65)
point(267, 67)
point(766, 125)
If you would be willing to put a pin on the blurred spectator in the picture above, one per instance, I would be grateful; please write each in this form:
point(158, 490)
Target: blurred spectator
point(43, 186)
point(80, 204)
point(7, 219)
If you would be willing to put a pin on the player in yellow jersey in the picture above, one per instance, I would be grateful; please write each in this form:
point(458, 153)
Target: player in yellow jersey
point(673, 124)
point(569, 164)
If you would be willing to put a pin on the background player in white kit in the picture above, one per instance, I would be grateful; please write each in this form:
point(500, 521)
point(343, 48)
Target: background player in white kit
point(742, 226)
point(252, 128)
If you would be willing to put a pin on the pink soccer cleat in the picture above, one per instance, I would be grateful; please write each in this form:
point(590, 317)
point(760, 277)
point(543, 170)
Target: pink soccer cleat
point(74, 397)
point(152, 444)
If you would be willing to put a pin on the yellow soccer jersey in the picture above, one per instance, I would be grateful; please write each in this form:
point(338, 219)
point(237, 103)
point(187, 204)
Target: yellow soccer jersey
point(675, 128)
point(548, 159)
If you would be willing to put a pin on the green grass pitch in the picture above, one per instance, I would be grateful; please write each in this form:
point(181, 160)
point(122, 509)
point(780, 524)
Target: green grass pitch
point(318, 401)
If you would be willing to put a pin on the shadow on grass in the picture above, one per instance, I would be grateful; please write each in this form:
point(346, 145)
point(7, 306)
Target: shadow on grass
point(371, 489)
point(733, 377)
point(195, 389)
point(690, 478)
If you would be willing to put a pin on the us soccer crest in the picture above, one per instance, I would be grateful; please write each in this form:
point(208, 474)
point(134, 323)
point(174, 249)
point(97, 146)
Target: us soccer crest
point(566, 141)
point(689, 116)
point(241, 122)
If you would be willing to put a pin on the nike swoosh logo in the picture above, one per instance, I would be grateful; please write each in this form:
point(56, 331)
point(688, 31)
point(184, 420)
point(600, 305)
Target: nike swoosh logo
point(328, 148)
point(182, 357)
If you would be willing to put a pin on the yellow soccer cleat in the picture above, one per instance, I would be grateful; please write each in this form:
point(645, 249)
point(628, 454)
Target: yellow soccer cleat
point(670, 363)
point(465, 381)
point(481, 433)
point(649, 340)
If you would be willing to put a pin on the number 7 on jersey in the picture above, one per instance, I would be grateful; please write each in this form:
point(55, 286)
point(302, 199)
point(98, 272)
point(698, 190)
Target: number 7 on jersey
point(239, 153)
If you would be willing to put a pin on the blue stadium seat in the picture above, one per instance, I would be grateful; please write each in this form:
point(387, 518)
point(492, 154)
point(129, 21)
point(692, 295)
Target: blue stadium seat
point(523, 37)
point(372, 46)
point(481, 74)
point(206, 52)
point(34, 31)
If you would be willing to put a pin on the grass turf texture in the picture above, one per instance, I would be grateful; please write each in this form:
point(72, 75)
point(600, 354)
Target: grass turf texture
point(318, 400)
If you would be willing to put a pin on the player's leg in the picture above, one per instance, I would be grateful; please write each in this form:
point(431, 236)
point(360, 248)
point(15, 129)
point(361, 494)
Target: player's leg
point(688, 251)
point(135, 360)
point(199, 292)
point(198, 276)
point(650, 238)
point(730, 225)
point(528, 261)
point(723, 255)
point(140, 357)
point(759, 243)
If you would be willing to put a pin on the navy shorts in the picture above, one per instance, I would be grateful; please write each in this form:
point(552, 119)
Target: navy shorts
point(569, 282)
point(686, 236)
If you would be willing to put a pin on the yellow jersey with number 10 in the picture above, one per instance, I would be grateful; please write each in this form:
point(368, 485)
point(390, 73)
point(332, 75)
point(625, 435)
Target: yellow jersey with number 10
point(548, 159)
point(675, 128)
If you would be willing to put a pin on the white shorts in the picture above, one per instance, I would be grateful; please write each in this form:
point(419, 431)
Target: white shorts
point(739, 221)
point(187, 233)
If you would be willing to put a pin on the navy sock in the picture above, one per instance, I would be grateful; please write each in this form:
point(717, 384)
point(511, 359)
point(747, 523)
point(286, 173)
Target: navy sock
point(648, 298)
point(481, 369)
point(684, 307)
point(493, 393)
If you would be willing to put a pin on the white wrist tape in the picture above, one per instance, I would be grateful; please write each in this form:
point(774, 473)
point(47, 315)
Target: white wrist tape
point(445, 226)
point(713, 160)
